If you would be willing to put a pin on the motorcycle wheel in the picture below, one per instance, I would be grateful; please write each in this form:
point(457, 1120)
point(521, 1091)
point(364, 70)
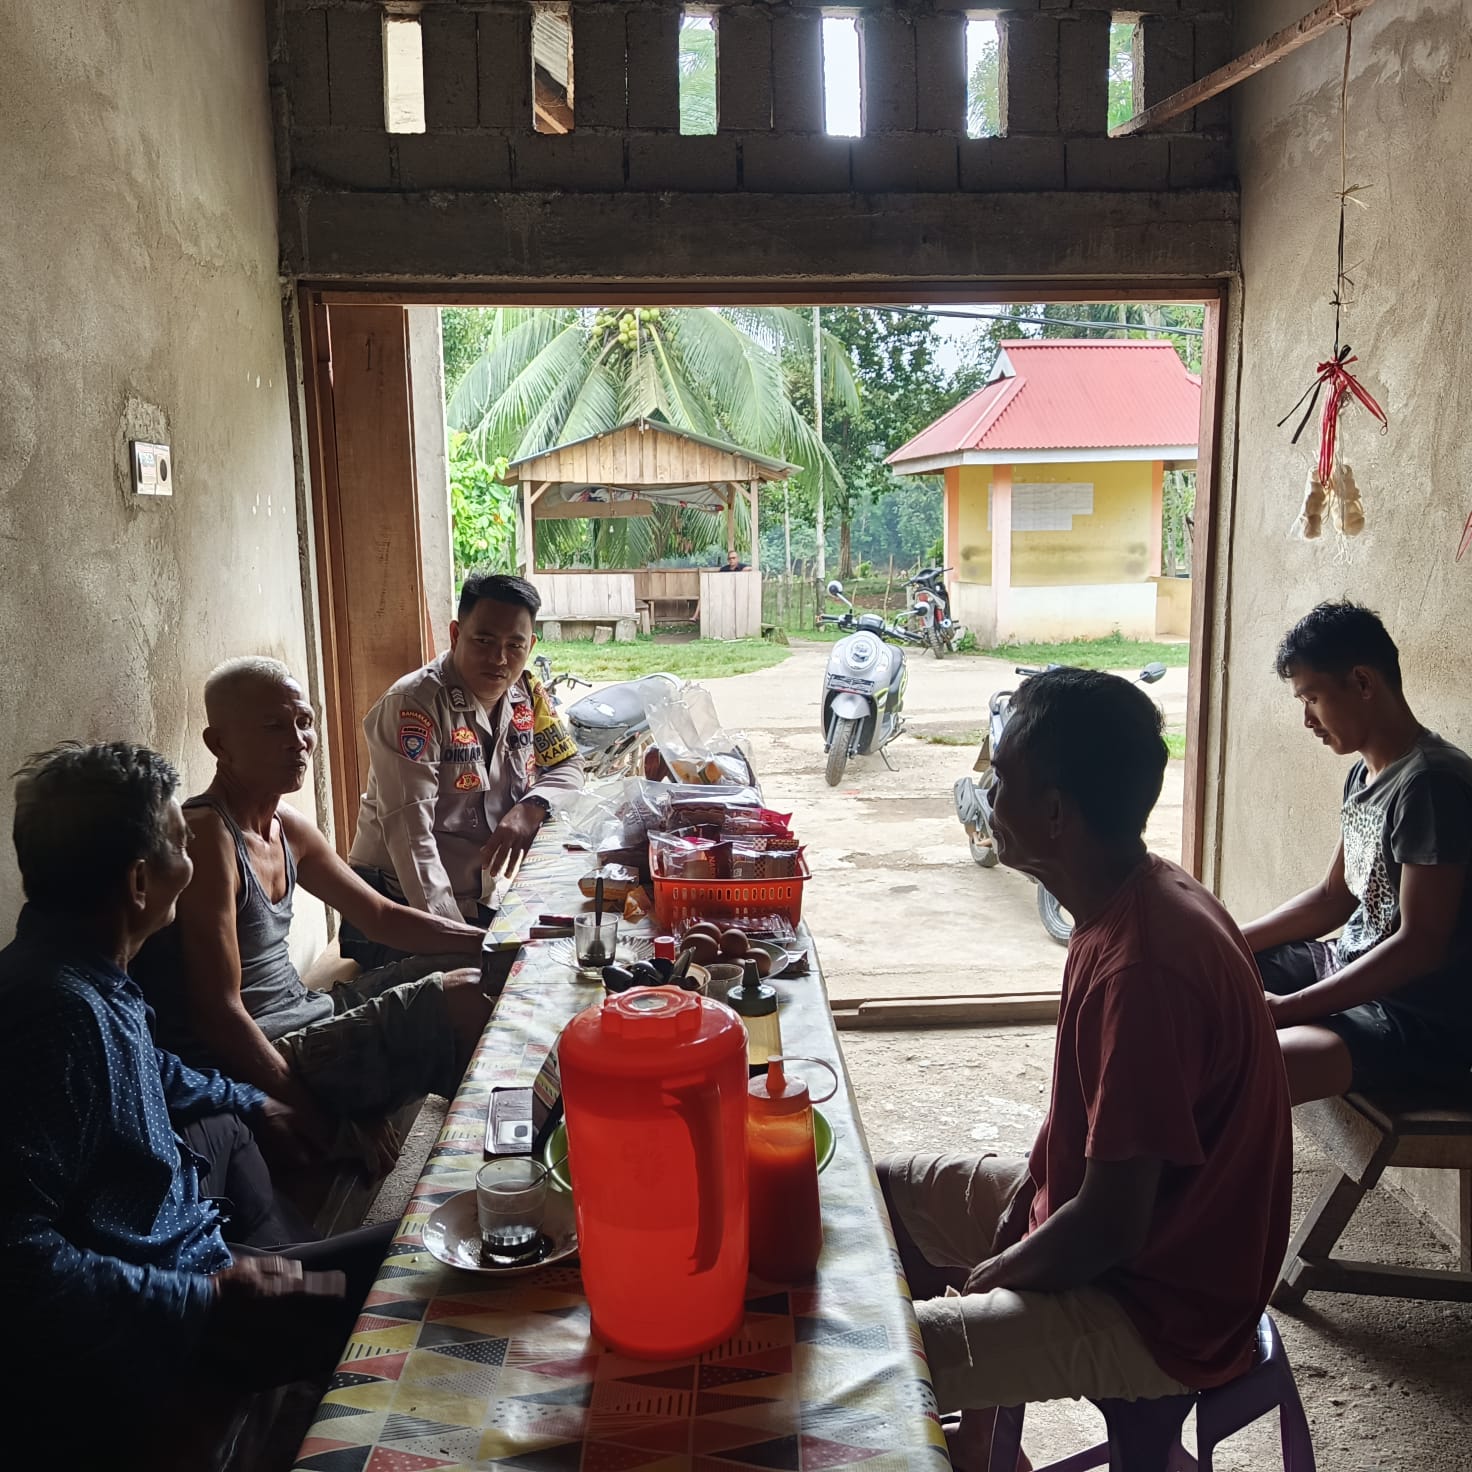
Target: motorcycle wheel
point(983, 851)
point(1056, 920)
point(843, 738)
point(936, 640)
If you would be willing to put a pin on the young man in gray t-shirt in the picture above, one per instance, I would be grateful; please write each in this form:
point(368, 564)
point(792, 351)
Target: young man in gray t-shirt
point(1389, 1003)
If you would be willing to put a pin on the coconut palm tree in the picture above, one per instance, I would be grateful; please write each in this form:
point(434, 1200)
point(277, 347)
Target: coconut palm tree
point(548, 375)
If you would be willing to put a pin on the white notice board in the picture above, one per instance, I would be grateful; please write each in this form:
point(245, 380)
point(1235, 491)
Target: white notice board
point(1046, 506)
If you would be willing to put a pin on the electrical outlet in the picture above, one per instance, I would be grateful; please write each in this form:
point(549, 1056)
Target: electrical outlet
point(153, 469)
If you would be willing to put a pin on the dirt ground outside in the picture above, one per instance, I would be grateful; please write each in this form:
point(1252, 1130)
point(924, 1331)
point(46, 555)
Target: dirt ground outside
point(898, 908)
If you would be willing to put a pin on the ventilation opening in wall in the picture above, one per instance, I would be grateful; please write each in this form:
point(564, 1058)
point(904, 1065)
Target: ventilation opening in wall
point(697, 72)
point(403, 74)
point(552, 99)
point(983, 78)
point(1123, 104)
point(842, 107)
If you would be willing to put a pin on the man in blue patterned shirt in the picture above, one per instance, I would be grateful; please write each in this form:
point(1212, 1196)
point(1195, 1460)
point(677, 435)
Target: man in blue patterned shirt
point(114, 1271)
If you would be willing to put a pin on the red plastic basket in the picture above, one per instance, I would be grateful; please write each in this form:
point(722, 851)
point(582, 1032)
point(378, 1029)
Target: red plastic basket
point(679, 902)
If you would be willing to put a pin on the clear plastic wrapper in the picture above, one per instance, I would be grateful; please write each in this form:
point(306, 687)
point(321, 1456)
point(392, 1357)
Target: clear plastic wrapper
point(696, 748)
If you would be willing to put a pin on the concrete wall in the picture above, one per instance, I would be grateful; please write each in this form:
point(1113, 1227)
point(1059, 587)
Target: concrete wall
point(432, 471)
point(1110, 546)
point(480, 196)
point(1173, 607)
point(1410, 136)
point(137, 224)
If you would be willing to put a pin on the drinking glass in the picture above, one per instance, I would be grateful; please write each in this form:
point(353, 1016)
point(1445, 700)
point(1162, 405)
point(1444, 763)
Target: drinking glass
point(595, 944)
point(510, 1201)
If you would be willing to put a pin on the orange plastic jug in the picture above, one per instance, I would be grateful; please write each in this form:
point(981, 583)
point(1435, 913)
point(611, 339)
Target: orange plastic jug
point(654, 1089)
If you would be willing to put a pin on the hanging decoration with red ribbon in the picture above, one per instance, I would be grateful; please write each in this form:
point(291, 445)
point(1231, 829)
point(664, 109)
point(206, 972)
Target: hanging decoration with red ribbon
point(1331, 483)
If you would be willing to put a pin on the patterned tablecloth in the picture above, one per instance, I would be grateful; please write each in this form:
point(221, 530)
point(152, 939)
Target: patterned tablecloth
point(449, 1370)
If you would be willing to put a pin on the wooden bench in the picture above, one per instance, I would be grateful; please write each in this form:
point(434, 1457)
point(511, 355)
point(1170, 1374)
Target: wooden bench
point(1364, 1136)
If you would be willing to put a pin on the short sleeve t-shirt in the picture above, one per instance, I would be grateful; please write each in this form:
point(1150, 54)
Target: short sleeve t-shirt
point(1165, 1049)
point(1418, 810)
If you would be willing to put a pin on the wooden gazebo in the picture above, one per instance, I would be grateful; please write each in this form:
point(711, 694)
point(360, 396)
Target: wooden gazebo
point(625, 472)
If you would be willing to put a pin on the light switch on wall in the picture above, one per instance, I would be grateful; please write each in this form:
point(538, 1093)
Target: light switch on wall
point(153, 469)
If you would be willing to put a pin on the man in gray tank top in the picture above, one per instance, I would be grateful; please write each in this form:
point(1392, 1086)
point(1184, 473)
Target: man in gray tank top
point(221, 978)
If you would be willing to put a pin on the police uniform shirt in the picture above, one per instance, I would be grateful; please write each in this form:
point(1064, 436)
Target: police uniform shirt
point(443, 772)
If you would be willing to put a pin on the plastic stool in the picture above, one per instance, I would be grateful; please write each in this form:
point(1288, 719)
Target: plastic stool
point(1144, 1435)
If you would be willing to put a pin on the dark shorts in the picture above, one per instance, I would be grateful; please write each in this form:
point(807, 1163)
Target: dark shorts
point(372, 954)
point(1389, 1048)
point(389, 1041)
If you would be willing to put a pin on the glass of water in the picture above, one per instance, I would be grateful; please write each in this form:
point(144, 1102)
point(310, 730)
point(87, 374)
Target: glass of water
point(511, 1202)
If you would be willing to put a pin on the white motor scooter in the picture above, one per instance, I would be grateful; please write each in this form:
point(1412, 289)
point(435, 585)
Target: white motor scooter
point(862, 708)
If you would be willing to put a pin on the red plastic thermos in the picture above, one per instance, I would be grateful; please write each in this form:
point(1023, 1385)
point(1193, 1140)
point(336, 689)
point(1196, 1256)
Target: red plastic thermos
point(786, 1220)
point(654, 1089)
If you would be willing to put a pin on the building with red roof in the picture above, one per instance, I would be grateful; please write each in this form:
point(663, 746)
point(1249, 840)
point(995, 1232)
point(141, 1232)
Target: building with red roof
point(1054, 476)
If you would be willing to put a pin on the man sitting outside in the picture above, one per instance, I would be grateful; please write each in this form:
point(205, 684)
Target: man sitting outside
point(131, 1317)
point(221, 977)
point(733, 563)
point(1389, 1003)
point(1131, 1255)
point(467, 759)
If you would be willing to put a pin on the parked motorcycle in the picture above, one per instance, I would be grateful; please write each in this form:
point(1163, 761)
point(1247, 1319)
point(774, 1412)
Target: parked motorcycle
point(863, 687)
point(930, 612)
point(611, 729)
point(973, 799)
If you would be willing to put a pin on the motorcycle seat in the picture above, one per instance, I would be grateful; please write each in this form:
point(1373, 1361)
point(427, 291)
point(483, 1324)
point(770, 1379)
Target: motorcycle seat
point(619, 706)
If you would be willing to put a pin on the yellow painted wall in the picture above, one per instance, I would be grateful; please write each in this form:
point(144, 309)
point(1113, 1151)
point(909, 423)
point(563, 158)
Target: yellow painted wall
point(1110, 546)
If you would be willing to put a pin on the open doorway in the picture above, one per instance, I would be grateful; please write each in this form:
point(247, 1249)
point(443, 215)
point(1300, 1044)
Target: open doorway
point(1075, 547)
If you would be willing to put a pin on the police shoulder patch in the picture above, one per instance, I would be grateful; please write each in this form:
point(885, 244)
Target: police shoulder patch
point(468, 782)
point(413, 740)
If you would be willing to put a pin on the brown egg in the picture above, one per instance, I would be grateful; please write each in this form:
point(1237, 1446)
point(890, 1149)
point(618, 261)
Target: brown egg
point(735, 943)
point(706, 950)
point(704, 927)
point(763, 961)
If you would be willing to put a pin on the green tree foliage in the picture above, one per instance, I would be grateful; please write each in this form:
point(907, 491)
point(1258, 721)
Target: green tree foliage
point(1121, 71)
point(697, 74)
point(463, 331)
point(482, 510)
point(902, 388)
point(546, 376)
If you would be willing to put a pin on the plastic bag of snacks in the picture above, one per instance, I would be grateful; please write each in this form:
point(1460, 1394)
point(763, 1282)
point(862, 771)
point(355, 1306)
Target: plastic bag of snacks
point(695, 746)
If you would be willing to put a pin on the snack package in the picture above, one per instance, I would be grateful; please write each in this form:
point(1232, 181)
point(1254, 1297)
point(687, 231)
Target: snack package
point(618, 881)
point(695, 747)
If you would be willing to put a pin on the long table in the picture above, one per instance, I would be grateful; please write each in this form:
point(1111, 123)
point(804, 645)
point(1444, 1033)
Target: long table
point(448, 1369)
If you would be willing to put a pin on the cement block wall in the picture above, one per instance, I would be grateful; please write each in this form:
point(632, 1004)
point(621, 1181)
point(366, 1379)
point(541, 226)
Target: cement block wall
point(1410, 137)
point(624, 196)
point(137, 224)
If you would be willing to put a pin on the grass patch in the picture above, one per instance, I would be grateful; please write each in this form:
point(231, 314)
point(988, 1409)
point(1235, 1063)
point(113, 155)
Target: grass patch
point(949, 738)
point(1112, 653)
point(1175, 745)
point(699, 659)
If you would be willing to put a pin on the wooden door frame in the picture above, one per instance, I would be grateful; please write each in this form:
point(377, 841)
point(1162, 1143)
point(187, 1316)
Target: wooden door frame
point(1207, 567)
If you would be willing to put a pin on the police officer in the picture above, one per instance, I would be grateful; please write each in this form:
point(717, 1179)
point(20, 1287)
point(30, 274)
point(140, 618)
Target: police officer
point(467, 758)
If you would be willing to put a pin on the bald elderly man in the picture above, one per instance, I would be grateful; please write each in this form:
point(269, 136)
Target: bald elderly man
point(221, 977)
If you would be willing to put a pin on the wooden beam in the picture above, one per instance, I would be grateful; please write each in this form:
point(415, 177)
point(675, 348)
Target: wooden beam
point(594, 510)
point(756, 551)
point(730, 518)
point(537, 493)
point(995, 1011)
point(1264, 54)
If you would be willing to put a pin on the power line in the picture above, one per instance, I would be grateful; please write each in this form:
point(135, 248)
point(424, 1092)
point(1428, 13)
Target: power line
point(1042, 321)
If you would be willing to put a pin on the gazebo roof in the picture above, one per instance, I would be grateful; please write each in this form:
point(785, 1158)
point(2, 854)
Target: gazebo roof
point(648, 455)
point(1066, 398)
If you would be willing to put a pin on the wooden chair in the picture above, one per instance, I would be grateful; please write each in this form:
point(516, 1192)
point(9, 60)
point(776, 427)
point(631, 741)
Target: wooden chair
point(1363, 1136)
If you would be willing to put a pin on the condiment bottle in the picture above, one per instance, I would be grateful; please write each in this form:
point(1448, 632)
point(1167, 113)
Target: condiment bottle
point(755, 1002)
point(782, 1172)
point(653, 1082)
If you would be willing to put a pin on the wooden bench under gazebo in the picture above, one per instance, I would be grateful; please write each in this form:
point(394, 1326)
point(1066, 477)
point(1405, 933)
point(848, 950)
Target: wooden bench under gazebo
point(631, 471)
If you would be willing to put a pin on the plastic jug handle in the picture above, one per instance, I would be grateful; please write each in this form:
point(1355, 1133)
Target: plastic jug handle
point(785, 1058)
point(701, 1116)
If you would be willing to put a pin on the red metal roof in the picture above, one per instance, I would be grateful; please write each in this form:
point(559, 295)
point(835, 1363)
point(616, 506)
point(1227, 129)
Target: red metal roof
point(1065, 394)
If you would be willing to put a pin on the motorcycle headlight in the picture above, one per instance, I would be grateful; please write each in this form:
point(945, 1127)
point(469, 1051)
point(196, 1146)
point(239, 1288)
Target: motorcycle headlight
point(862, 652)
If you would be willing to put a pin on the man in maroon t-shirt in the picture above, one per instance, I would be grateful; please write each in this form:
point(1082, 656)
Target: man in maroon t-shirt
point(1131, 1255)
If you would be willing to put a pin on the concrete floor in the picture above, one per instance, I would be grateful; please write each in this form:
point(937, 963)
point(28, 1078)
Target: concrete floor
point(889, 859)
